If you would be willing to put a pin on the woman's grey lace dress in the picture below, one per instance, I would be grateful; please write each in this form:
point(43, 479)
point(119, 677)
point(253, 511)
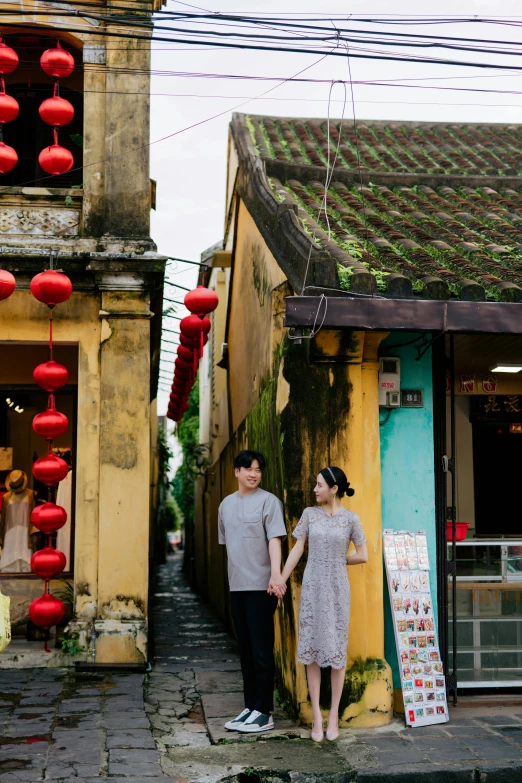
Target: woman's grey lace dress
point(324, 611)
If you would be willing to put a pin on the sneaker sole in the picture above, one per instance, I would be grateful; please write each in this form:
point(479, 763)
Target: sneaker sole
point(229, 727)
point(257, 730)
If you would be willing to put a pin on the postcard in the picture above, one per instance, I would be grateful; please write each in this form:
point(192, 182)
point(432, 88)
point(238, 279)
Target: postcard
point(419, 712)
point(419, 624)
point(406, 671)
point(421, 640)
point(424, 581)
point(415, 583)
point(439, 682)
point(397, 604)
point(419, 683)
point(429, 623)
point(395, 583)
point(440, 710)
point(431, 640)
point(406, 604)
point(428, 683)
point(405, 581)
point(401, 625)
point(437, 667)
point(416, 605)
point(441, 695)
point(434, 655)
point(413, 656)
point(418, 697)
point(427, 668)
point(430, 695)
point(405, 656)
point(407, 685)
point(408, 698)
point(410, 624)
point(422, 655)
point(430, 711)
point(412, 641)
point(416, 669)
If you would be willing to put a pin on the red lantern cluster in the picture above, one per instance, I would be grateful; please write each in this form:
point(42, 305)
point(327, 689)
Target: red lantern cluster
point(56, 111)
point(9, 107)
point(51, 288)
point(194, 331)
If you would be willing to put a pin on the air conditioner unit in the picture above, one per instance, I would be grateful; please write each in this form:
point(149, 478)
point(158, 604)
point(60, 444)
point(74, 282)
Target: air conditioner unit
point(389, 382)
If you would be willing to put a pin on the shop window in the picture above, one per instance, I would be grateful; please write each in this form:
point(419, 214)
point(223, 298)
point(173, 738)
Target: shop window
point(28, 134)
point(20, 401)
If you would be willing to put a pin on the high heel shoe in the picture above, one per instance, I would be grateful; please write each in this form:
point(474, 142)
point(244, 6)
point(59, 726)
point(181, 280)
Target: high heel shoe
point(317, 736)
point(331, 736)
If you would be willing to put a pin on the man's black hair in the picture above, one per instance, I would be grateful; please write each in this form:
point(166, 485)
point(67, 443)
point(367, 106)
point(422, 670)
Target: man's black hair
point(246, 457)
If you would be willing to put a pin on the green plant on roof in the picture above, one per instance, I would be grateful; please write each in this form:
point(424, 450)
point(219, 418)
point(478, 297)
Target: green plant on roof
point(306, 228)
point(252, 131)
point(352, 247)
point(345, 276)
point(273, 186)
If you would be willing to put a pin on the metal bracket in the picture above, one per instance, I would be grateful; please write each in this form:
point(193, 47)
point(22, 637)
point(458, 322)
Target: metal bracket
point(451, 514)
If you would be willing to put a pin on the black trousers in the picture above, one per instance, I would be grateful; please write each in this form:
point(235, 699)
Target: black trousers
point(253, 615)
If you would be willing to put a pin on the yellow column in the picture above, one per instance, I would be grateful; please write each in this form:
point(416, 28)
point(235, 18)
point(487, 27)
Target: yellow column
point(124, 478)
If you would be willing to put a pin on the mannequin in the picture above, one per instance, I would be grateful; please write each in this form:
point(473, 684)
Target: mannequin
point(15, 525)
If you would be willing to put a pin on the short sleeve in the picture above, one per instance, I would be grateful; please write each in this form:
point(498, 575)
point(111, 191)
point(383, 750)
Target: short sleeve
point(301, 531)
point(273, 518)
point(221, 528)
point(357, 534)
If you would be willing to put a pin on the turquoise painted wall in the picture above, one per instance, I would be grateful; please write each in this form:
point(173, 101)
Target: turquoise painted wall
point(407, 464)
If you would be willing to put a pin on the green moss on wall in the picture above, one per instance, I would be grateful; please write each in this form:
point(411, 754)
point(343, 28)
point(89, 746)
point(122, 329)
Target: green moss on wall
point(357, 678)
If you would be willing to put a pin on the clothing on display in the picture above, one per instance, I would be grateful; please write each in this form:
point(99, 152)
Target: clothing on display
point(64, 499)
point(15, 526)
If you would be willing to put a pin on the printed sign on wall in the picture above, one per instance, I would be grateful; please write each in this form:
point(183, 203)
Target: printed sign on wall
point(422, 673)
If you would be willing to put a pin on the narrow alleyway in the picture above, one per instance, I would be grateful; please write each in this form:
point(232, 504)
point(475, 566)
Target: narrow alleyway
point(69, 727)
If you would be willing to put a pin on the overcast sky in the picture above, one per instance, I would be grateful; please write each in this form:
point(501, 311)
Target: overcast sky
point(190, 167)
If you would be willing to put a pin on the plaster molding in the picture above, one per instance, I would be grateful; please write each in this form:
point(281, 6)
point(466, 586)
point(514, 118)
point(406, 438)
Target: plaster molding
point(41, 222)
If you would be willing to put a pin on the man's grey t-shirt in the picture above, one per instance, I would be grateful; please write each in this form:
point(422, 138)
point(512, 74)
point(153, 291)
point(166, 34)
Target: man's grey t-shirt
point(246, 525)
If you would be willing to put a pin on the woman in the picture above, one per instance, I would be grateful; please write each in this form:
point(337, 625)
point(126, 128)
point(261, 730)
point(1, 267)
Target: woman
point(325, 595)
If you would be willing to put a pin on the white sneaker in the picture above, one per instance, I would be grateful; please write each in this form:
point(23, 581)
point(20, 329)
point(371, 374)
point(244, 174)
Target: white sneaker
point(256, 722)
point(234, 724)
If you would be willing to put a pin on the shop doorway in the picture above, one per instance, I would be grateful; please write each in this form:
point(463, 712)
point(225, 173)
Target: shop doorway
point(480, 453)
point(20, 400)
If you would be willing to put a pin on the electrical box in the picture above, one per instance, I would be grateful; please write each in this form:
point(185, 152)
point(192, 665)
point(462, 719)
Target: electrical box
point(390, 382)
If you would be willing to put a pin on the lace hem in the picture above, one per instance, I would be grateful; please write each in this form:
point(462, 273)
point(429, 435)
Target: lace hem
point(316, 656)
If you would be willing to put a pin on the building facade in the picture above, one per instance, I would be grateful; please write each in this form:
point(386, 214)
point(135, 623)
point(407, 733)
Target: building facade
point(412, 255)
point(93, 224)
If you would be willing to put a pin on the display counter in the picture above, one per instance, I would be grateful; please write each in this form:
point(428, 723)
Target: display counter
point(489, 613)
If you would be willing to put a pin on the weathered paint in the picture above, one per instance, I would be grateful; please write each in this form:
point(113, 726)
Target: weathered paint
point(408, 481)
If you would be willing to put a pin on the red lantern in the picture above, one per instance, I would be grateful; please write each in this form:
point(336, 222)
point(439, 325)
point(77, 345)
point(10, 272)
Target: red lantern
point(51, 375)
point(179, 385)
point(9, 108)
point(186, 354)
point(192, 326)
point(50, 470)
point(56, 159)
point(55, 111)
point(46, 611)
point(48, 518)
point(7, 284)
point(50, 424)
point(201, 300)
point(8, 59)
point(57, 62)
point(8, 158)
point(189, 343)
point(51, 287)
point(47, 563)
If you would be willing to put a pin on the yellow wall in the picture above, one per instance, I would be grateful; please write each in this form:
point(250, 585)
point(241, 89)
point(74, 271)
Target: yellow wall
point(112, 481)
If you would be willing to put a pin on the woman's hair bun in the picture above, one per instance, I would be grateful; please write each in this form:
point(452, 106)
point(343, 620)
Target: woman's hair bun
point(337, 477)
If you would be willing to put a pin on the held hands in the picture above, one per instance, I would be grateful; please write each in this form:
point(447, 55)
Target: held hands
point(277, 586)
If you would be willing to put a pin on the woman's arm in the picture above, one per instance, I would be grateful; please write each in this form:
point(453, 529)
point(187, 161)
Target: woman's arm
point(293, 558)
point(360, 556)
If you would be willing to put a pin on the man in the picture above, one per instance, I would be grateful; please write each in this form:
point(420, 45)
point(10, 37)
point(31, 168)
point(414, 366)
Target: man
point(251, 524)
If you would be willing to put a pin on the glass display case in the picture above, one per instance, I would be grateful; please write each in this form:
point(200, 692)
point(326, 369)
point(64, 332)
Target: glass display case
point(489, 613)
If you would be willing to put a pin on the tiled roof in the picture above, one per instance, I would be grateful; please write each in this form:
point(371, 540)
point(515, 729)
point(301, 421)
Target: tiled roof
point(414, 148)
point(427, 239)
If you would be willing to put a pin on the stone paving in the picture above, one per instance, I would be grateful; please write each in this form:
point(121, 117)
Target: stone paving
point(64, 726)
